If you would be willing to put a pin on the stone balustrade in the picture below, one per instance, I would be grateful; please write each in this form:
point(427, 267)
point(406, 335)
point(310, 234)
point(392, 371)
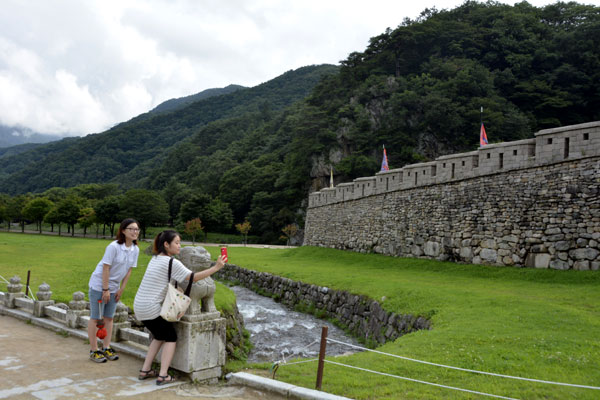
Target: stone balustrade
point(200, 351)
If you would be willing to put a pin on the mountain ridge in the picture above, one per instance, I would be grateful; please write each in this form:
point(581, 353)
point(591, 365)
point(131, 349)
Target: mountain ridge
point(100, 157)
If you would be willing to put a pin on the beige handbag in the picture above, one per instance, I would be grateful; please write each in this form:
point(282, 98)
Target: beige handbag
point(176, 301)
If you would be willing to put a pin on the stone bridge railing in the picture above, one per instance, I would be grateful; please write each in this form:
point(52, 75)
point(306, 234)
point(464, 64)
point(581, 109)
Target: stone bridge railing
point(200, 352)
point(76, 316)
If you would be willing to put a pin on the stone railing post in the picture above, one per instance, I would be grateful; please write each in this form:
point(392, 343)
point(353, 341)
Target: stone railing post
point(119, 321)
point(43, 299)
point(77, 308)
point(14, 289)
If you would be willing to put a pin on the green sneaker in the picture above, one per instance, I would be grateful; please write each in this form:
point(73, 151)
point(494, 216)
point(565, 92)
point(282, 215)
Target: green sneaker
point(97, 356)
point(110, 354)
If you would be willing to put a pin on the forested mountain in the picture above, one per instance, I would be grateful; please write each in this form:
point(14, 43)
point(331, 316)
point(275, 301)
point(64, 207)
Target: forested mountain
point(417, 89)
point(17, 149)
point(141, 142)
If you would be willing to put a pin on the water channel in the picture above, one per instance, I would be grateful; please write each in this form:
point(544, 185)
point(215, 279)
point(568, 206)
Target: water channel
point(279, 333)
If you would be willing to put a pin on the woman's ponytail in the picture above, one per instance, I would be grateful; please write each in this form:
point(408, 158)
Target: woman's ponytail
point(159, 241)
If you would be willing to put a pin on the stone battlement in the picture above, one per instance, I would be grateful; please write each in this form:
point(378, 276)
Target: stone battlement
point(549, 146)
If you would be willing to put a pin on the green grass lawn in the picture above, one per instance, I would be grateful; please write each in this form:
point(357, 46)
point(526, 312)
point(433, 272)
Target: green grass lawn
point(537, 324)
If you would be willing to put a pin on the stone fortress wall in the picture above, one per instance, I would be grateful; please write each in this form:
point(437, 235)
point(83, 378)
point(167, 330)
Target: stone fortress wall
point(531, 202)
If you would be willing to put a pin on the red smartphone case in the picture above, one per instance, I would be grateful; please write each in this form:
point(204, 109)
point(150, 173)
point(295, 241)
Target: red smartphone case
point(224, 253)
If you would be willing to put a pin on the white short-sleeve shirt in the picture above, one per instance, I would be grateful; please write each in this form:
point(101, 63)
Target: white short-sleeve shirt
point(120, 258)
point(153, 289)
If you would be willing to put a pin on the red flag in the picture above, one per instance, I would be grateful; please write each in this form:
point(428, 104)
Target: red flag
point(384, 163)
point(482, 136)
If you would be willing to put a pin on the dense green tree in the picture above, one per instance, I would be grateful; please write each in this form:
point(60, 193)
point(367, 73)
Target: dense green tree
point(15, 208)
point(36, 209)
point(217, 216)
point(95, 191)
point(53, 218)
point(55, 194)
point(175, 194)
point(3, 213)
point(87, 219)
point(4, 200)
point(194, 207)
point(69, 211)
point(146, 206)
point(107, 212)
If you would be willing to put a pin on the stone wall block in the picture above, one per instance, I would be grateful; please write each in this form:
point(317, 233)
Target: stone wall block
point(489, 255)
point(581, 265)
point(584, 254)
point(538, 260)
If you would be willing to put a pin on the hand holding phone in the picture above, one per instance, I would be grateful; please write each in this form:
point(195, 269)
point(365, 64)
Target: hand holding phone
point(224, 254)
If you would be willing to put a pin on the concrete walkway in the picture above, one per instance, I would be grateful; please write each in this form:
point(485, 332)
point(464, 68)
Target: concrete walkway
point(39, 363)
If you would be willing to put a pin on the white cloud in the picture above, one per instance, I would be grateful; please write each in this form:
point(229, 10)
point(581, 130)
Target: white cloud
point(77, 67)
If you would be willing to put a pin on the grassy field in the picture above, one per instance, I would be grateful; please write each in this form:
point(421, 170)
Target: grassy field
point(537, 324)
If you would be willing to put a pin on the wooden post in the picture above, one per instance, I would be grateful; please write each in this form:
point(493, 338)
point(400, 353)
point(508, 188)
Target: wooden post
point(27, 285)
point(321, 357)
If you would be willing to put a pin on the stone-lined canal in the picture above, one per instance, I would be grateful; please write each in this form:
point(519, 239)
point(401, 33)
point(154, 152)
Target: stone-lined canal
point(279, 333)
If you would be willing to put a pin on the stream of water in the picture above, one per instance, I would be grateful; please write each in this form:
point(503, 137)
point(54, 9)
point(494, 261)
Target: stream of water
point(279, 333)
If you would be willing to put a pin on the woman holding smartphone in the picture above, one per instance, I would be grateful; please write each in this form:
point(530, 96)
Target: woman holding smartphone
point(150, 296)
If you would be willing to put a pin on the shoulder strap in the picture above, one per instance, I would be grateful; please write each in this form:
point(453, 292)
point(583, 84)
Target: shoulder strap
point(189, 287)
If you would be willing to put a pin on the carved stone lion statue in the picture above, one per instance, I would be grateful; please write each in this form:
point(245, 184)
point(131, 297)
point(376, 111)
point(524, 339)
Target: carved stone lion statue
point(197, 259)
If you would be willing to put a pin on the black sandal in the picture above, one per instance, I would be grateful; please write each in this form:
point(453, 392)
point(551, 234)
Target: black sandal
point(162, 380)
point(147, 374)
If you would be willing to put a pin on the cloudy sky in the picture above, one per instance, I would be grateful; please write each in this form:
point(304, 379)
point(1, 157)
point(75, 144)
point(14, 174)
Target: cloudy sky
point(73, 67)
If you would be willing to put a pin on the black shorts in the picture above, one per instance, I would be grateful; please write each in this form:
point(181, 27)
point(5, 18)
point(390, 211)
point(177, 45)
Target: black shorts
point(161, 330)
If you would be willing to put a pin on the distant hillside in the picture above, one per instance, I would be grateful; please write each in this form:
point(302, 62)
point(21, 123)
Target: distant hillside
point(17, 149)
point(13, 136)
point(181, 102)
point(143, 141)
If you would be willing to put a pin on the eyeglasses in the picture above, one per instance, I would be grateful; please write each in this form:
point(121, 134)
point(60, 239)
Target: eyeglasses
point(133, 229)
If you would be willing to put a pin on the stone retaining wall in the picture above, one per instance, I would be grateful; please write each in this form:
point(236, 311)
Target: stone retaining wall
point(543, 217)
point(362, 316)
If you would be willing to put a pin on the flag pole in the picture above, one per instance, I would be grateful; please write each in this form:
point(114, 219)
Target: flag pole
point(481, 116)
point(331, 178)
